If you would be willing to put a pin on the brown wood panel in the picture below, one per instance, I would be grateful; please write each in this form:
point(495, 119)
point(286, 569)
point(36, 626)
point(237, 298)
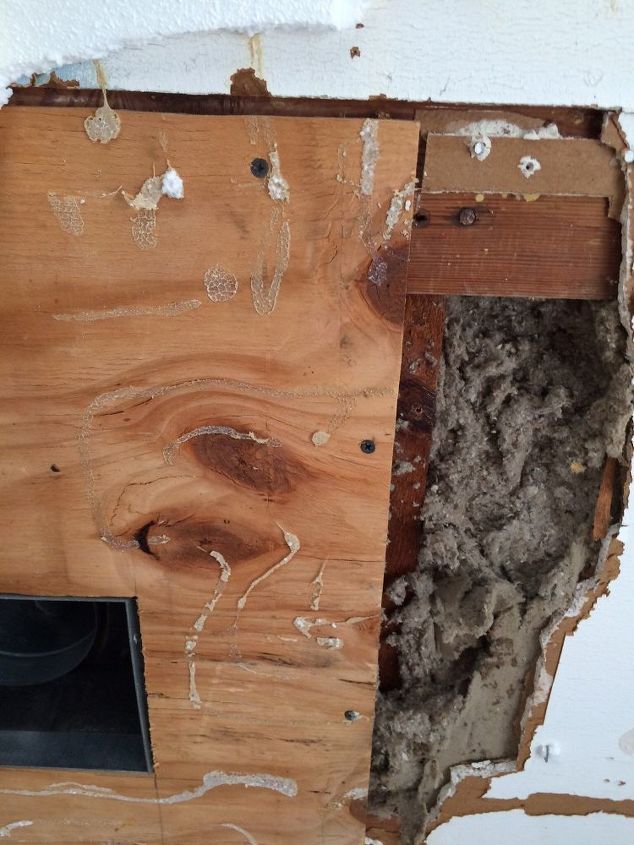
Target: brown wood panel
point(415, 417)
point(183, 433)
point(550, 247)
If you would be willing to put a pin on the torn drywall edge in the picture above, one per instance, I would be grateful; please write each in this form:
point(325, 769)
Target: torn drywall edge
point(104, 28)
point(469, 785)
point(564, 167)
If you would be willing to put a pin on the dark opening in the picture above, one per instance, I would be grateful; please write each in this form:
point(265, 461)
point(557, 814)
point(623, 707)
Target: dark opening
point(71, 684)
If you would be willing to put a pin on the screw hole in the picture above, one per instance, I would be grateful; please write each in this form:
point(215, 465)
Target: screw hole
point(54, 468)
point(367, 446)
point(421, 218)
point(259, 167)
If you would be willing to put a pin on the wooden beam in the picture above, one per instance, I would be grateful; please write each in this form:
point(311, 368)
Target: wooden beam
point(551, 247)
point(198, 410)
point(416, 410)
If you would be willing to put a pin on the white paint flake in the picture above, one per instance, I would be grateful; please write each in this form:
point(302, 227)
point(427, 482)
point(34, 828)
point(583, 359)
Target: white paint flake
point(369, 841)
point(292, 541)
point(171, 309)
point(5, 831)
point(191, 642)
point(369, 135)
point(224, 430)
point(211, 780)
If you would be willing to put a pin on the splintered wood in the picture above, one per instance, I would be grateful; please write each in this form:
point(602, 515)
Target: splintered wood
point(179, 415)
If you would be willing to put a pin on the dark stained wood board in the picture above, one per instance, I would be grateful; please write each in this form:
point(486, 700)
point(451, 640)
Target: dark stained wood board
point(550, 247)
point(183, 426)
point(415, 417)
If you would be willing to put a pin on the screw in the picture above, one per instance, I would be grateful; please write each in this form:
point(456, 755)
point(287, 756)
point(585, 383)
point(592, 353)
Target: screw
point(352, 715)
point(259, 167)
point(479, 147)
point(367, 446)
point(467, 216)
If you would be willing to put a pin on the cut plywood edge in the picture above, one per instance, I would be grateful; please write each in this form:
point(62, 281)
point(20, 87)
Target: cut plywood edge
point(215, 385)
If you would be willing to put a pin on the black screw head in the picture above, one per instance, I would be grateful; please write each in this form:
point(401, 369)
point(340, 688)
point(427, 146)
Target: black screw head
point(352, 715)
point(259, 167)
point(367, 446)
point(467, 216)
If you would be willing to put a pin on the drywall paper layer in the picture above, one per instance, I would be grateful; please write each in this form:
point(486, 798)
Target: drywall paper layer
point(516, 827)
point(530, 51)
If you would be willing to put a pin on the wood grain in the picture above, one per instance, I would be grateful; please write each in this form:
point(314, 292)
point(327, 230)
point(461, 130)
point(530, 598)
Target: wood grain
point(182, 431)
point(552, 247)
point(415, 417)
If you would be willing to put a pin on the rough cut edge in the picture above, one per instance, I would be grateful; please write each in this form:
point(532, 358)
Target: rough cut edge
point(461, 788)
point(587, 592)
point(30, 48)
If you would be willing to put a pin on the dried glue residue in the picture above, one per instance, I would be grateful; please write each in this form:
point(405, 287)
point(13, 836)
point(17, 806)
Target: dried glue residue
point(292, 541)
point(5, 830)
point(221, 286)
point(265, 300)
point(67, 212)
point(144, 228)
point(398, 204)
point(320, 438)
point(305, 626)
point(191, 641)
point(277, 185)
point(104, 125)
point(146, 202)
point(211, 780)
point(204, 430)
point(369, 135)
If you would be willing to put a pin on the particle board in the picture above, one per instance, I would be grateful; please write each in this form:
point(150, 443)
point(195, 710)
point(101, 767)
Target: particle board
point(159, 444)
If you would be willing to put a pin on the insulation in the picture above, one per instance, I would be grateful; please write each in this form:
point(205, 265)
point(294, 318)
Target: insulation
point(532, 396)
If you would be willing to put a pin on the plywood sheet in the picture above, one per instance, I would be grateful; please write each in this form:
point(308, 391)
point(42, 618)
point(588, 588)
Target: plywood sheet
point(159, 444)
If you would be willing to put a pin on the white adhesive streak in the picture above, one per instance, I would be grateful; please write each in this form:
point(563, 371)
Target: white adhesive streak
point(5, 832)
point(264, 302)
point(318, 586)
point(169, 310)
point(211, 780)
point(247, 836)
point(369, 155)
point(397, 206)
point(191, 642)
point(292, 541)
point(278, 186)
point(225, 430)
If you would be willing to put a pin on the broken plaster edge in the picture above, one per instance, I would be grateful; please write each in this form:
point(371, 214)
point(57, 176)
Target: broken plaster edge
point(586, 595)
point(26, 47)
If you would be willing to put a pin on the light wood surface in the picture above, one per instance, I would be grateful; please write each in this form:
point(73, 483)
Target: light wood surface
point(183, 427)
